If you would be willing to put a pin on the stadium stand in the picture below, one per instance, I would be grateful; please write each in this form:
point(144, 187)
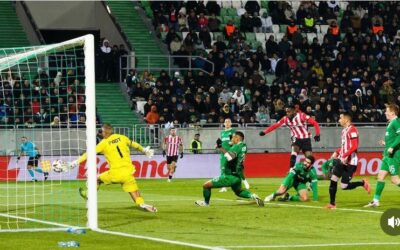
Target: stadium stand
point(324, 69)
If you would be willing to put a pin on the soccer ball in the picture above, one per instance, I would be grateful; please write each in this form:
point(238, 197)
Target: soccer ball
point(59, 166)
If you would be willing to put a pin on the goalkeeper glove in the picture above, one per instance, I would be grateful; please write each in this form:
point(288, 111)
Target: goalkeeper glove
point(246, 184)
point(262, 133)
point(148, 152)
point(181, 155)
point(219, 143)
point(164, 153)
point(19, 157)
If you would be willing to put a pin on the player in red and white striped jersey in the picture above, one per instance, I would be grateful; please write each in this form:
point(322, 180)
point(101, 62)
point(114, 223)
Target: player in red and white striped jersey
point(172, 146)
point(346, 161)
point(298, 122)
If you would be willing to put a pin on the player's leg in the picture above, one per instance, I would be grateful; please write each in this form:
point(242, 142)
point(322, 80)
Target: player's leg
point(30, 167)
point(222, 162)
point(301, 193)
point(380, 183)
point(286, 185)
point(337, 172)
point(348, 172)
point(293, 154)
point(236, 185)
point(207, 186)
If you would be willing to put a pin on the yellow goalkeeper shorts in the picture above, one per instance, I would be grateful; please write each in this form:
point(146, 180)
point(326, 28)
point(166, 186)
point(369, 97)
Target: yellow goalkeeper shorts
point(123, 176)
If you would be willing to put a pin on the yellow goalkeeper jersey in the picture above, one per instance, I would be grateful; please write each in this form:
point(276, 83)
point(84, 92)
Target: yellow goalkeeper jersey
point(116, 150)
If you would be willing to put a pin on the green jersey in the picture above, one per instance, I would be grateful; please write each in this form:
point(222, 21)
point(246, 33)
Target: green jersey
point(298, 176)
point(392, 137)
point(226, 136)
point(327, 166)
point(235, 166)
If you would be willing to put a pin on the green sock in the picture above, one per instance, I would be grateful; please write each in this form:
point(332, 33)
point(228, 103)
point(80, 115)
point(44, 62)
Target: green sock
point(378, 191)
point(207, 195)
point(244, 194)
point(294, 197)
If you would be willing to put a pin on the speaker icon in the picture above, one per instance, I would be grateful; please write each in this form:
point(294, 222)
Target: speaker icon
point(394, 222)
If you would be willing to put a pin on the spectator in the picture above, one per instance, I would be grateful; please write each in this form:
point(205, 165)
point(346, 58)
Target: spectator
point(252, 6)
point(229, 29)
point(195, 144)
point(266, 23)
point(213, 8)
point(239, 97)
point(214, 23)
point(246, 23)
point(256, 22)
point(262, 116)
point(152, 116)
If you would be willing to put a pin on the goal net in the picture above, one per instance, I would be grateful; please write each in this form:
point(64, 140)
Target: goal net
point(47, 113)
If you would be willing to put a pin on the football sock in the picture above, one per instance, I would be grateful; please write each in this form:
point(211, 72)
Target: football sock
point(353, 185)
point(139, 201)
point(207, 195)
point(332, 192)
point(380, 185)
point(292, 160)
point(31, 173)
point(39, 170)
point(244, 194)
point(170, 177)
point(294, 197)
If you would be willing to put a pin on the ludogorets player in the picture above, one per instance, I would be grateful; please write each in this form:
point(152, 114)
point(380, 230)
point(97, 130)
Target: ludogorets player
point(391, 155)
point(116, 149)
point(297, 178)
point(233, 172)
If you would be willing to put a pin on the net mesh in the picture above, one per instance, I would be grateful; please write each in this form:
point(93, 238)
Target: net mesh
point(42, 101)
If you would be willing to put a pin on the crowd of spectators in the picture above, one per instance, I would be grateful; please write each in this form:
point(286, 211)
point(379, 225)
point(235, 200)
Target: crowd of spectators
point(355, 67)
point(54, 101)
point(108, 61)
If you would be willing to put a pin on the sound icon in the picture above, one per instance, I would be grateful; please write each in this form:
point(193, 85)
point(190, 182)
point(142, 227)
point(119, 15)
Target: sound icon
point(394, 222)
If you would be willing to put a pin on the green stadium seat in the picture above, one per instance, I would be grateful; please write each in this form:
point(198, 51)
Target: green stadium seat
point(232, 12)
point(224, 12)
point(250, 36)
point(236, 20)
point(217, 34)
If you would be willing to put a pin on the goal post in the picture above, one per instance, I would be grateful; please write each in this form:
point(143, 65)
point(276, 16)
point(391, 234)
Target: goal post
point(40, 85)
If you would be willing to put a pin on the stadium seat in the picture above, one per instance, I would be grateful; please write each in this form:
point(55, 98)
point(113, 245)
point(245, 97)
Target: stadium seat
point(217, 34)
point(278, 36)
point(323, 29)
point(232, 12)
point(184, 34)
point(236, 21)
point(224, 12)
point(163, 35)
point(264, 4)
point(275, 28)
point(226, 4)
point(283, 28)
point(256, 44)
point(250, 36)
point(260, 37)
point(310, 37)
point(236, 4)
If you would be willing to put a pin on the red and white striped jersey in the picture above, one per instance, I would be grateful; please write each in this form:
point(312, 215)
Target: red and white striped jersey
point(172, 144)
point(349, 147)
point(298, 125)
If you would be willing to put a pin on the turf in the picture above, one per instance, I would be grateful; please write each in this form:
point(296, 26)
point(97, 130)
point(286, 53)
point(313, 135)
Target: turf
point(229, 222)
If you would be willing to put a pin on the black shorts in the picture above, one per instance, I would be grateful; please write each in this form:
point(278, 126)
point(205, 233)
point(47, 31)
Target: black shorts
point(303, 144)
point(33, 161)
point(344, 171)
point(172, 158)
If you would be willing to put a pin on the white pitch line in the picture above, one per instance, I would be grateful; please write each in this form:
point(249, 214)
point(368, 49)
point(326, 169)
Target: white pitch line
point(308, 206)
point(320, 245)
point(35, 220)
point(33, 230)
point(174, 242)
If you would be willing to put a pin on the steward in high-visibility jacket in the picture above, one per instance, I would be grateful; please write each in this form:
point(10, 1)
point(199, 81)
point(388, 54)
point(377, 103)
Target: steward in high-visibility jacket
point(195, 144)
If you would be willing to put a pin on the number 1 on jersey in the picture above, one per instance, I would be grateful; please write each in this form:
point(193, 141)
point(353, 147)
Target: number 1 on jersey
point(119, 152)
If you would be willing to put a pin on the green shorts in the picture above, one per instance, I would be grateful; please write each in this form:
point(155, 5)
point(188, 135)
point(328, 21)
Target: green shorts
point(227, 181)
point(290, 182)
point(390, 165)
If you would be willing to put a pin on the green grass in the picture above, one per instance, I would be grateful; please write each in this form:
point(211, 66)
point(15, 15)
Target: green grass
point(227, 222)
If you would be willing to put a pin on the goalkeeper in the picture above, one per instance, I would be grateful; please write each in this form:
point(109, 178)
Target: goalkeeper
point(116, 149)
point(298, 177)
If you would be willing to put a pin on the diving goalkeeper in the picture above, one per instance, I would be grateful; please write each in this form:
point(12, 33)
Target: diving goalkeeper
point(116, 149)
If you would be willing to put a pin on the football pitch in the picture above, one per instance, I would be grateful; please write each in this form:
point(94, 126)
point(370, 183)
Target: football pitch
point(229, 223)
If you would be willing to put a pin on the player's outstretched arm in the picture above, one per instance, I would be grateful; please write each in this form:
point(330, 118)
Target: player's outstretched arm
point(273, 127)
point(315, 124)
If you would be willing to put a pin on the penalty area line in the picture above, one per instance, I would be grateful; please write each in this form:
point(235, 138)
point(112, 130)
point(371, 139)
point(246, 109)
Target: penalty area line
point(320, 245)
point(173, 242)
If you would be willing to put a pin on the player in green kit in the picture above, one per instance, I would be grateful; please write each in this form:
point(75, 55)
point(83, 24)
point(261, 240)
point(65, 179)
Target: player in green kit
point(298, 177)
point(232, 175)
point(391, 154)
point(226, 136)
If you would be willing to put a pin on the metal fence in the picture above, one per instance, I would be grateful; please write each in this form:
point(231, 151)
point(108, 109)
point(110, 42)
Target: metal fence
point(127, 62)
